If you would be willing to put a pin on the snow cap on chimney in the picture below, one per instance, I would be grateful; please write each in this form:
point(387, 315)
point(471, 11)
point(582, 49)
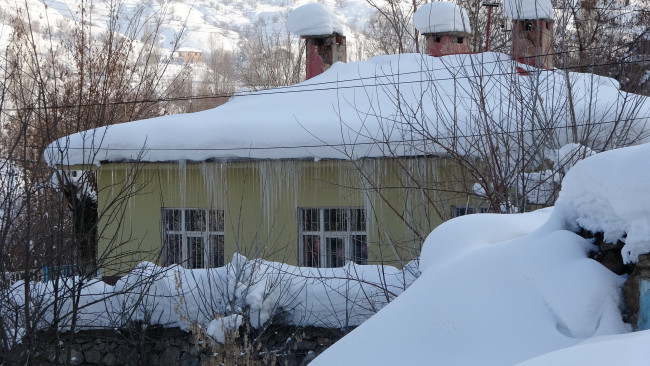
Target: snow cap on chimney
point(313, 19)
point(528, 9)
point(441, 17)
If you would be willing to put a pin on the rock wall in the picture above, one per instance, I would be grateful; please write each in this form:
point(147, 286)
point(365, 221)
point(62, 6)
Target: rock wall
point(159, 346)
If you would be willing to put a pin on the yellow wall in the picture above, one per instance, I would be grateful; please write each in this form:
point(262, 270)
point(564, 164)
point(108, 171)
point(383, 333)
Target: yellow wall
point(261, 198)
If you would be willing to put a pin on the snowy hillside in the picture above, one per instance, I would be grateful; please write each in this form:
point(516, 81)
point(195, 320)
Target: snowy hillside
point(203, 23)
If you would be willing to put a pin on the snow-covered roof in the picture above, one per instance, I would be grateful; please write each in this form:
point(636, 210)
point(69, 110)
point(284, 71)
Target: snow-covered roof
point(441, 16)
point(342, 113)
point(528, 9)
point(313, 19)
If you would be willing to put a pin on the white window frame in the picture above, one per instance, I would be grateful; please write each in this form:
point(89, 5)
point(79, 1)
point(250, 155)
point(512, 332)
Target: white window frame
point(213, 239)
point(467, 210)
point(323, 236)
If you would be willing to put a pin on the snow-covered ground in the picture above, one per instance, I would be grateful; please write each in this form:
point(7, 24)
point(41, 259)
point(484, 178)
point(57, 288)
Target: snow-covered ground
point(173, 296)
point(511, 289)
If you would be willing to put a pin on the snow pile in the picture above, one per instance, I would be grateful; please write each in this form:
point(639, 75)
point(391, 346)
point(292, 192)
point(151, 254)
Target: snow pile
point(313, 19)
point(261, 290)
point(520, 289)
point(441, 16)
point(362, 103)
point(528, 9)
point(218, 328)
point(627, 349)
point(568, 155)
point(608, 193)
point(546, 182)
point(494, 290)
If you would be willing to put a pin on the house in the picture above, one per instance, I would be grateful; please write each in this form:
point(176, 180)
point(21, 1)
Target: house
point(188, 55)
point(355, 164)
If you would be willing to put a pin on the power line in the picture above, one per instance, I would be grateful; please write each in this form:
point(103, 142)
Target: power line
point(365, 143)
point(301, 88)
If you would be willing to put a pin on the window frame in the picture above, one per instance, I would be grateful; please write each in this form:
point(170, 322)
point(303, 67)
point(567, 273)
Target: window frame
point(347, 231)
point(468, 210)
point(210, 234)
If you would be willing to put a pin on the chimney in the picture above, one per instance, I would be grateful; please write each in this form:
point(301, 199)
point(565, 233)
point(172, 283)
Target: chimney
point(323, 35)
point(322, 52)
point(445, 27)
point(532, 32)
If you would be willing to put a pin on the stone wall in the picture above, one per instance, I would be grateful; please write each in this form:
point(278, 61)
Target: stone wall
point(159, 346)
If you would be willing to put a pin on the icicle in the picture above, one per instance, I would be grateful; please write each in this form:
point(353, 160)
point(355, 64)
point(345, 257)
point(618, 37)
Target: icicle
point(182, 184)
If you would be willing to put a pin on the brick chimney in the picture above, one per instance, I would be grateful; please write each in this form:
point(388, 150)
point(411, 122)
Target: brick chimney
point(322, 52)
point(445, 27)
point(532, 32)
point(532, 42)
point(323, 35)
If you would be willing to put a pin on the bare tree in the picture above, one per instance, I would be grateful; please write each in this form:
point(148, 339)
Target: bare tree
point(270, 56)
point(59, 79)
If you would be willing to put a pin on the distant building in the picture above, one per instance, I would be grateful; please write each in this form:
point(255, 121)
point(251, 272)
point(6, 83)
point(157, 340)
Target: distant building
point(189, 55)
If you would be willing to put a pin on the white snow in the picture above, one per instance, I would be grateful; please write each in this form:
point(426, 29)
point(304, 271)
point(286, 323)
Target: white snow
point(440, 17)
point(493, 294)
point(627, 349)
point(608, 193)
point(520, 289)
point(342, 113)
point(173, 296)
point(219, 328)
point(313, 19)
point(528, 9)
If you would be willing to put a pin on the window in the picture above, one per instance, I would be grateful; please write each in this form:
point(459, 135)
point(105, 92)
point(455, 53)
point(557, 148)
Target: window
point(330, 237)
point(467, 210)
point(193, 238)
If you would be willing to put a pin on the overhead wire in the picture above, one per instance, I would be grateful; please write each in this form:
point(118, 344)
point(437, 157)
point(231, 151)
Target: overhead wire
point(302, 88)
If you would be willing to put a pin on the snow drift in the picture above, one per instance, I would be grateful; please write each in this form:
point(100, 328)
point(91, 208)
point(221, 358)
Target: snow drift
point(503, 289)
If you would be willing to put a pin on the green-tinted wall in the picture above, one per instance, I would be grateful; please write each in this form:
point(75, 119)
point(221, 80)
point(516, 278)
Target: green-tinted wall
point(404, 200)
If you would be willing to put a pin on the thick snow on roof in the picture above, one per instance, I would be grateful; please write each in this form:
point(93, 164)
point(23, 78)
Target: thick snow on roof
point(441, 16)
point(610, 193)
point(342, 113)
point(313, 19)
point(529, 9)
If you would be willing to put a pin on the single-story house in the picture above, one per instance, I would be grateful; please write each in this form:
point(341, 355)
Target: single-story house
point(353, 164)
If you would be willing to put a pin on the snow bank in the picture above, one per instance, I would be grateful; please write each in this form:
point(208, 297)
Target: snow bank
point(497, 294)
point(528, 9)
point(313, 19)
point(608, 193)
point(627, 349)
point(173, 296)
point(441, 16)
point(347, 122)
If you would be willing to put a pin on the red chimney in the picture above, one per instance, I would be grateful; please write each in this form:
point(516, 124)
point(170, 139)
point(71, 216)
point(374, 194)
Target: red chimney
point(323, 34)
point(441, 44)
point(532, 31)
point(532, 42)
point(322, 52)
point(445, 27)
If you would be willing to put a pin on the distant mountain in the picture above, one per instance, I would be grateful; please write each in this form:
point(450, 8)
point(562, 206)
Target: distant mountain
point(203, 23)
